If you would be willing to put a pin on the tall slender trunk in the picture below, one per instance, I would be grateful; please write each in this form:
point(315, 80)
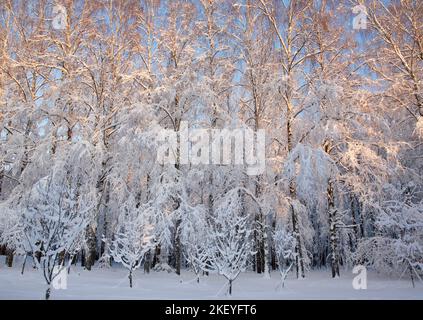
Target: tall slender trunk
point(333, 228)
point(258, 255)
point(9, 257)
point(178, 248)
point(147, 263)
point(263, 241)
point(333, 237)
point(24, 263)
point(267, 257)
point(91, 253)
point(355, 223)
point(103, 246)
point(130, 278)
point(156, 257)
point(48, 293)
point(1, 182)
point(299, 258)
point(177, 239)
point(91, 231)
point(272, 247)
point(299, 261)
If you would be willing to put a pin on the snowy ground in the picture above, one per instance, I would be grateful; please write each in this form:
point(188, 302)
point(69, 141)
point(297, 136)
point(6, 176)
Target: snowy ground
point(113, 284)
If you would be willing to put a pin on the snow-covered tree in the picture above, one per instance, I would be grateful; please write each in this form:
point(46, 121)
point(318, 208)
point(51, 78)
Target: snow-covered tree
point(397, 246)
point(52, 225)
point(285, 251)
point(194, 238)
point(229, 238)
point(132, 239)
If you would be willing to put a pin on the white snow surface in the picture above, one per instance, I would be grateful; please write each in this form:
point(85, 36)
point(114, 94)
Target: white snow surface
point(112, 283)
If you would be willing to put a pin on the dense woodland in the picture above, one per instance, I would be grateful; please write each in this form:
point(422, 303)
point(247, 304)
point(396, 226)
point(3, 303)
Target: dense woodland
point(81, 107)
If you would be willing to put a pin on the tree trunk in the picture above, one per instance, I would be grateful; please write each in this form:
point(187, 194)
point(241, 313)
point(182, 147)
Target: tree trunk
point(37, 255)
point(230, 287)
point(299, 262)
point(48, 293)
point(103, 246)
point(23, 265)
point(147, 263)
point(178, 248)
point(257, 243)
point(82, 258)
point(94, 243)
point(299, 257)
point(266, 252)
point(354, 222)
point(333, 232)
point(177, 239)
point(411, 276)
point(130, 278)
point(9, 257)
point(1, 189)
point(293, 193)
point(91, 253)
point(272, 248)
point(156, 257)
point(61, 258)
